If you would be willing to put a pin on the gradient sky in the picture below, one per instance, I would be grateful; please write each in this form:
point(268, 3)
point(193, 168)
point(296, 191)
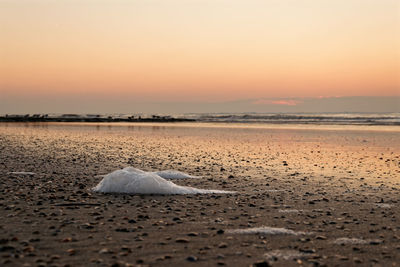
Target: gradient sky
point(202, 51)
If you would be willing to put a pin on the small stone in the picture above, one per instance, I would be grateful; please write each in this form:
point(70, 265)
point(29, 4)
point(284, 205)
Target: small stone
point(87, 226)
point(261, 264)
point(192, 258)
point(193, 234)
point(29, 249)
point(182, 240)
point(125, 230)
point(308, 251)
point(55, 257)
point(357, 260)
point(376, 242)
point(6, 248)
point(222, 245)
point(104, 251)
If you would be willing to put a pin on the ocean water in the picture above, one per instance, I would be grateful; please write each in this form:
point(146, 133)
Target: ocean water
point(344, 118)
point(301, 118)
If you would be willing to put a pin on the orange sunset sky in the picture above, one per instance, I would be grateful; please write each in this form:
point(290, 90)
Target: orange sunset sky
point(195, 51)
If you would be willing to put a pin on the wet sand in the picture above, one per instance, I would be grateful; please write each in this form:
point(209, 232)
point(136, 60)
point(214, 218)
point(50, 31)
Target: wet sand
point(338, 190)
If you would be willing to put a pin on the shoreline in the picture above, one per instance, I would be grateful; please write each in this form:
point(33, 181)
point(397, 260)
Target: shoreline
point(317, 119)
point(94, 120)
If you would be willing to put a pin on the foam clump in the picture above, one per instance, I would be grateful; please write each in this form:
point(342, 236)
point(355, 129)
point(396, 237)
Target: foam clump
point(353, 241)
point(171, 174)
point(265, 231)
point(287, 254)
point(289, 211)
point(134, 181)
point(383, 205)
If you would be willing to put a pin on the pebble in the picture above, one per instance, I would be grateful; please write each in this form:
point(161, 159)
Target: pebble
point(261, 264)
point(71, 251)
point(104, 251)
point(182, 240)
point(222, 245)
point(192, 258)
point(375, 242)
point(192, 234)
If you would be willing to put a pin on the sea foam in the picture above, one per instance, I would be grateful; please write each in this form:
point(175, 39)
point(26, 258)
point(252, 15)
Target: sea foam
point(284, 254)
point(171, 174)
point(134, 181)
point(265, 231)
point(383, 205)
point(346, 240)
point(289, 211)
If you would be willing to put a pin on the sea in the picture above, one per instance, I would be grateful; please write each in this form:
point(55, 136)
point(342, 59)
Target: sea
point(303, 118)
point(288, 118)
point(343, 118)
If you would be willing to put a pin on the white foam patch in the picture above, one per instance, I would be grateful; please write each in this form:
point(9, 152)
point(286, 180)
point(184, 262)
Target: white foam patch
point(289, 211)
point(287, 254)
point(354, 241)
point(22, 173)
point(167, 174)
point(134, 181)
point(383, 205)
point(171, 174)
point(265, 231)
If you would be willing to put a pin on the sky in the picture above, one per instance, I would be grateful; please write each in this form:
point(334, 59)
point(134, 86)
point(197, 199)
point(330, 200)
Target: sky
point(199, 55)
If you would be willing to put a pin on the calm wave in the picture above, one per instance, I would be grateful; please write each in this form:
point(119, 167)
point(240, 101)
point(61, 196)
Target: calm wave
point(306, 118)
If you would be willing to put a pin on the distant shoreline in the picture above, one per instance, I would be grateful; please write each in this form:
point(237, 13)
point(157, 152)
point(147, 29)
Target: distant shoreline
point(28, 118)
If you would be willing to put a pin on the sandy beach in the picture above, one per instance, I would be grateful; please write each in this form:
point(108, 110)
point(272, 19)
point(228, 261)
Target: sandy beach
point(304, 196)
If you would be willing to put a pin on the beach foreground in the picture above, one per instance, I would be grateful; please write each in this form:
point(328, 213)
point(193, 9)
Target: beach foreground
point(333, 194)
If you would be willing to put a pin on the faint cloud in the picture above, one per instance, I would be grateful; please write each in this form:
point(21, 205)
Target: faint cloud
point(335, 96)
point(284, 102)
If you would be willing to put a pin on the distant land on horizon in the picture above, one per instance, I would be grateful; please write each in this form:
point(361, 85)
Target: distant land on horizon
point(92, 105)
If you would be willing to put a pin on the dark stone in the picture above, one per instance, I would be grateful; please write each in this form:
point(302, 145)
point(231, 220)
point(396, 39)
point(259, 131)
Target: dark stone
point(6, 248)
point(192, 258)
point(261, 264)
